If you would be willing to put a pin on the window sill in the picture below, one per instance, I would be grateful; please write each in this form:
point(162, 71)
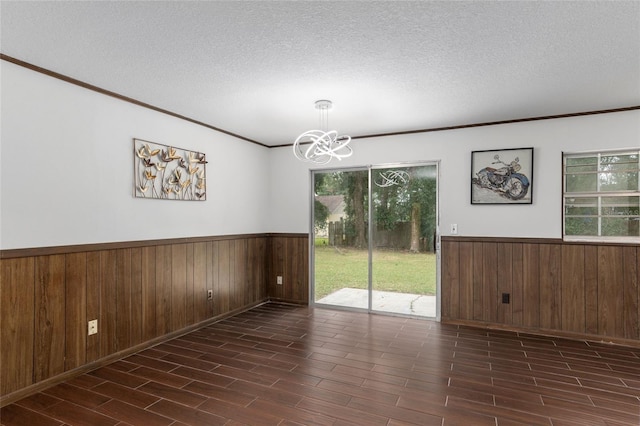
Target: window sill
point(593, 239)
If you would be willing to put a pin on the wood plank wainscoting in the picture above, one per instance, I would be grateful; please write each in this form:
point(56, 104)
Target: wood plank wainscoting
point(584, 290)
point(141, 293)
point(144, 293)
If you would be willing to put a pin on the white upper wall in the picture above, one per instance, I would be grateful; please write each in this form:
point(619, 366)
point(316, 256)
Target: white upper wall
point(66, 174)
point(290, 178)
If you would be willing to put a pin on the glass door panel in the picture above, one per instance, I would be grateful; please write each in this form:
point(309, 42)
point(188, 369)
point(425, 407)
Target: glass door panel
point(340, 252)
point(404, 261)
point(375, 233)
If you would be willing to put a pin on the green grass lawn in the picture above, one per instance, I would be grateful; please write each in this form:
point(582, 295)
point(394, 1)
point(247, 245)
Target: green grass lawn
point(397, 271)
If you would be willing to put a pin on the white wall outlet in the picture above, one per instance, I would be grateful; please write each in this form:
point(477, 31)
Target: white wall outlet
point(279, 280)
point(454, 229)
point(93, 327)
point(209, 294)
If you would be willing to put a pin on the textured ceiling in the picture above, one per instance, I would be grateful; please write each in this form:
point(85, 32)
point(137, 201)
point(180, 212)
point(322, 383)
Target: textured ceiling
point(256, 68)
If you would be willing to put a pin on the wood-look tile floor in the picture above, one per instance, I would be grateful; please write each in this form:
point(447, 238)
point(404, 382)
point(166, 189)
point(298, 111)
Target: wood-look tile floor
point(289, 365)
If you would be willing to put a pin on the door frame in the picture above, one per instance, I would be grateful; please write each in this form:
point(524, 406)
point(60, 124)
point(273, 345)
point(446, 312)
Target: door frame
point(369, 168)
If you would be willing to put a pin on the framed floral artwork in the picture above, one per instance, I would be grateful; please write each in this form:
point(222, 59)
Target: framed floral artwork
point(168, 173)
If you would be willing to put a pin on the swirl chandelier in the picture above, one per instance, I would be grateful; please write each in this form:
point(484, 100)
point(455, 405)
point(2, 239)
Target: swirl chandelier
point(323, 145)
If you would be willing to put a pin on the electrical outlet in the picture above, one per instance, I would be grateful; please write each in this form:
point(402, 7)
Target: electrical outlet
point(506, 298)
point(93, 327)
point(454, 229)
point(279, 280)
point(209, 294)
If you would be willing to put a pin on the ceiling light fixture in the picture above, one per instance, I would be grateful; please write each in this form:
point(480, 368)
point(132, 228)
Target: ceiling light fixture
point(323, 145)
point(392, 177)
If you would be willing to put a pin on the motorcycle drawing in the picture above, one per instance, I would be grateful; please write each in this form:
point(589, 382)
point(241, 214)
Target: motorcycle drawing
point(505, 180)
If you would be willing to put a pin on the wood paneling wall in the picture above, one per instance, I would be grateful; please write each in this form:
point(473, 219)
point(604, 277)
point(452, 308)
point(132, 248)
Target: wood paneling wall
point(578, 289)
point(142, 292)
point(138, 292)
point(289, 258)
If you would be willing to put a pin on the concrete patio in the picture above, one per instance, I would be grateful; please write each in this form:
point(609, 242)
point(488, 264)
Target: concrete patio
point(384, 301)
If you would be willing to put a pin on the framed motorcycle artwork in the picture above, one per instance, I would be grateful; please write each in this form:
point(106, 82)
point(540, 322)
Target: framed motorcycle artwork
point(502, 176)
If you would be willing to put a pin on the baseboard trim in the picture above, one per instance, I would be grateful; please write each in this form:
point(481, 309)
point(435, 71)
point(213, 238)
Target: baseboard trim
point(585, 337)
point(289, 301)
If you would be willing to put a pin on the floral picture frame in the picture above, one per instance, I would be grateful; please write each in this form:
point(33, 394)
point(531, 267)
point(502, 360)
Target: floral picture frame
point(168, 173)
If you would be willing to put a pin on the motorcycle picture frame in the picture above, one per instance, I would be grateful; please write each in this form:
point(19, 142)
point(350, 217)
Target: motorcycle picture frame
point(502, 176)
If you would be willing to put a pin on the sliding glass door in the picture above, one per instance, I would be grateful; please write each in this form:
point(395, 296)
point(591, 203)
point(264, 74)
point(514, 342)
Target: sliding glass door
point(375, 234)
point(403, 240)
point(340, 253)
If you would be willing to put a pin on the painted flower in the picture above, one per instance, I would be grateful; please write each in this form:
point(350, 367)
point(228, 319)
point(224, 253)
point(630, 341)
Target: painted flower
point(192, 169)
point(160, 166)
point(143, 188)
point(148, 175)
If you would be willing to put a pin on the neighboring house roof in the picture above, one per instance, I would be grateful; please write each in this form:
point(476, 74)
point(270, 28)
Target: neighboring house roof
point(333, 203)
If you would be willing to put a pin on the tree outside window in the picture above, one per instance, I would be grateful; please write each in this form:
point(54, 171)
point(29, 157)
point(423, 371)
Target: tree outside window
point(602, 196)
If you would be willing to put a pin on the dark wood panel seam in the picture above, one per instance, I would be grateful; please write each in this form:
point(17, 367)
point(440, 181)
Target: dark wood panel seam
point(102, 91)
point(47, 251)
point(531, 241)
point(500, 122)
point(287, 234)
point(97, 89)
point(461, 239)
point(489, 123)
